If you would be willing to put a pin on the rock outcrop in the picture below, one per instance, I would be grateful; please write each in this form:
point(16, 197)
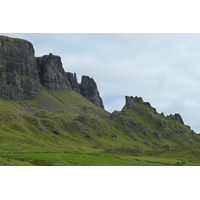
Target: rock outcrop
point(18, 69)
point(51, 73)
point(130, 103)
point(73, 81)
point(176, 117)
point(88, 89)
point(22, 75)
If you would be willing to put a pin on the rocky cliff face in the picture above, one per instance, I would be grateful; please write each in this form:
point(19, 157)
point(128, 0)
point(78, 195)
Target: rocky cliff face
point(73, 81)
point(22, 75)
point(18, 69)
point(51, 73)
point(88, 89)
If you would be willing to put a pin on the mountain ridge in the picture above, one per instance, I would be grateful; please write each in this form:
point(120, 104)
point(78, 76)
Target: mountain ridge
point(23, 75)
point(44, 110)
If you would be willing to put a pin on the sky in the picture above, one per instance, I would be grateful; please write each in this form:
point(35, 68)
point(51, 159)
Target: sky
point(162, 68)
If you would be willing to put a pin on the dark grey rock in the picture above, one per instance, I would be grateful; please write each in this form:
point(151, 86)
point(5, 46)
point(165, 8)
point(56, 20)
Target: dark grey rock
point(115, 115)
point(164, 123)
point(51, 73)
point(22, 75)
point(88, 136)
point(73, 81)
point(130, 103)
point(157, 135)
point(179, 130)
point(166, 134)
point(147, 104)
point(135, 138)
point(119, 114)
point(131, 123)
point(100, 135)
point(138, 99)
point(176, 117)
point(145, 133)
point(193, 133)
point(88, 89)
point(56, 132)
point(18, 69)
point(114, 135)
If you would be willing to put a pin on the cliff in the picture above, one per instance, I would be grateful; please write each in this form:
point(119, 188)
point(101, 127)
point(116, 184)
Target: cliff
point(51, 73)
point(22, 75)
point(88, 89)
point(18, 69)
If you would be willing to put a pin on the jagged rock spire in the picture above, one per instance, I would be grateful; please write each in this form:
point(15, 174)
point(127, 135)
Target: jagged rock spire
point(51, 73)
point(73, 81)
point(88, 89)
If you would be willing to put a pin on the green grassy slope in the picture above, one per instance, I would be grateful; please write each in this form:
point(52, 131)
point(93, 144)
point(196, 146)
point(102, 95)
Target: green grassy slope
point(64, 128)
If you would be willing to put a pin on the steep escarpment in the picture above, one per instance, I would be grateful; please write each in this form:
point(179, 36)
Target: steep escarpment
point(18, 69)
point(22, 75)
point(51, 73)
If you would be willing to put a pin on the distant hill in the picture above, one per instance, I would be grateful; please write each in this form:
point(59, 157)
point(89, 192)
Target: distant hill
point(48, 118)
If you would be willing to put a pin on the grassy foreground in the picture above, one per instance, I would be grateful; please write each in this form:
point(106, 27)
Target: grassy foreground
point(72, 158)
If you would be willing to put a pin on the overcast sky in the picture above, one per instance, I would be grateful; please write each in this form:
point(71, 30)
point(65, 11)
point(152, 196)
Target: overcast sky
point(163, 69)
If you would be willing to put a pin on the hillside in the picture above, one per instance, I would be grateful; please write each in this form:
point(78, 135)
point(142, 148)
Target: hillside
point(51, 119)
point(68, 126)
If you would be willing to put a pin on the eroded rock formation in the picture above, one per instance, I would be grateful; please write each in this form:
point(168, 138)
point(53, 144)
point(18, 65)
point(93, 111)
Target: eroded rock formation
point(73, 81)
point(88, 89)
point(176, 117)
point(22, 75)
point(18, 69)
point(51, 73)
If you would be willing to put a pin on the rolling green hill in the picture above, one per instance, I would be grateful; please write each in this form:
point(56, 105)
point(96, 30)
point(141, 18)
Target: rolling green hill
point(64, 128)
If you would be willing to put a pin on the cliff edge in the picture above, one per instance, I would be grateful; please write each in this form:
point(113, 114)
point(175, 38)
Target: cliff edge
point(22, 75)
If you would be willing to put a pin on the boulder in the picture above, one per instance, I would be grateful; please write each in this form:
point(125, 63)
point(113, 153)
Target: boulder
point(157, 135)
point(114, 135)
point(164, 123)
point(135, 138)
